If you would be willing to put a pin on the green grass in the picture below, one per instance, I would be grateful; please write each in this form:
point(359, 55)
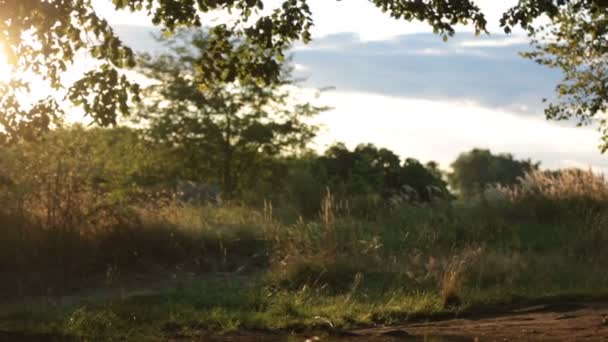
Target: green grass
point(227, 304)
point(221, 306)
point(208, 270)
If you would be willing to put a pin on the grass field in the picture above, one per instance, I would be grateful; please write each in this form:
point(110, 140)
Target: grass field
point(161, 271)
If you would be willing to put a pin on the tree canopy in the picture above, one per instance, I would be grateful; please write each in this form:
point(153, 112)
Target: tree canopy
point(371, 169)
point(224, 128)
point(45, 37)
point(576, 42)
point(474, 170)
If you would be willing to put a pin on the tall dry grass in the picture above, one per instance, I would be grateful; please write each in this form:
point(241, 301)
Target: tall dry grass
point(51, 238)
point(571, 193)
point(53, 246)
point(567, 184)
point(532, 235)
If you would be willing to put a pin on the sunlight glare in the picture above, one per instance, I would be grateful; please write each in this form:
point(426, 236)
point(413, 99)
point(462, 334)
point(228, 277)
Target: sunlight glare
point(5, 69)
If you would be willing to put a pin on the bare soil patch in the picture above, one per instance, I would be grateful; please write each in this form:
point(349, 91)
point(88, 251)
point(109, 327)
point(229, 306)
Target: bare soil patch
point(556, 322)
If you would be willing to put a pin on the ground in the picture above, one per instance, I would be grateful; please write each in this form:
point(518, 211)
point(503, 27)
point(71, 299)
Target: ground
point(567, 321)
point(555, 320)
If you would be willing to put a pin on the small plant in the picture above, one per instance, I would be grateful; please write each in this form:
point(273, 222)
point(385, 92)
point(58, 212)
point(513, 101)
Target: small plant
point(95, 325)
point(451, 282)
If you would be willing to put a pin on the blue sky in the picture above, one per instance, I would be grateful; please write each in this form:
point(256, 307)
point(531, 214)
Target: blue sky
point(401, 87)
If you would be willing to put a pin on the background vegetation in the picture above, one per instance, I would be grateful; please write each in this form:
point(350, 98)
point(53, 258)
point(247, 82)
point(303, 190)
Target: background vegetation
point(350, 237)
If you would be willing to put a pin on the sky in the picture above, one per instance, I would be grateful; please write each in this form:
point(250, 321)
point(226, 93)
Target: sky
point(399, 86)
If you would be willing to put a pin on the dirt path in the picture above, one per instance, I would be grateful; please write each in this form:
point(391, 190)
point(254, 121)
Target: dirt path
point(548, 323)
point(559, 322)
point(580, 321)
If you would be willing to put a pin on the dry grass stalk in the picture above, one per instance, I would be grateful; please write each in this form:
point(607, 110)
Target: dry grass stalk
point(328, 212)
point(569, 184)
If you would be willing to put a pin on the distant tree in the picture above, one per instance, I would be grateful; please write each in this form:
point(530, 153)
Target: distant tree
point(371, 169)
point(421, 177)
point(433, 167)
point(473, 171)
point(364, 169)
point(223, 130)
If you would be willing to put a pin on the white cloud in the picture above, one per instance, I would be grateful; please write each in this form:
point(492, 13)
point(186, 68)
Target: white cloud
point(430, 52)
point(299, 67)
point(422, 66)
point(440, 130)
point(500, 42)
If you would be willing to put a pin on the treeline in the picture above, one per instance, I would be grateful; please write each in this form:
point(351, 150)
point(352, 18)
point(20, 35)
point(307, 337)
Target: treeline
point(122, 164)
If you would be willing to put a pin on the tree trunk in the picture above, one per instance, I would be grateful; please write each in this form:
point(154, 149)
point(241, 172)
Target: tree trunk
point(227, 167)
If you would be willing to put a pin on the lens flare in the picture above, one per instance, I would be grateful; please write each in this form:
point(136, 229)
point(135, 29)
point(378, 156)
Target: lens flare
point(5, 69)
